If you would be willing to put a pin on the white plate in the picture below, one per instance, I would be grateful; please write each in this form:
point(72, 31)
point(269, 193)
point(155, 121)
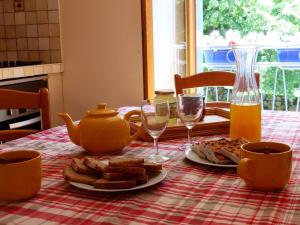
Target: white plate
point(195, 158)
point(151, 181)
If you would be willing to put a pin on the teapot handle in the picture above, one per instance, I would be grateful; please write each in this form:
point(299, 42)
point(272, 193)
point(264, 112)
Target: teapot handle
point(127, 117)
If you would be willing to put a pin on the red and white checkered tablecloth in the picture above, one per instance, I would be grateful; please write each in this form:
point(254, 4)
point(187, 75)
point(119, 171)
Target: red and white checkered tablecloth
point(190, 194)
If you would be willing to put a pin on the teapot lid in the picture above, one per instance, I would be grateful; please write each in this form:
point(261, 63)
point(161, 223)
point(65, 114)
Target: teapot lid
point(101, 110)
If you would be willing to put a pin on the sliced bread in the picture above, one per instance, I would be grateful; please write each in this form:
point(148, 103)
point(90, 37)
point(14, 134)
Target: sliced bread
point(107, 184)
point(79, 166)
point(95, 164)
point(125, 161)
point(70, 175)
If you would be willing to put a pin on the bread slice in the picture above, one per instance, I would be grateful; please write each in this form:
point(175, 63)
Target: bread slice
point(125, 161)
point(142, 179)
point(231, 153)
point(113, 176)
point(150, 166)
point(120, 172)
point(152, 174)
point(79, 166)
point(199, 150)
point(211, 149)
point(233, 149)
point(139, 178)
point(95, 164)
point(127, 170)
point(70, 175)
point(107, 184)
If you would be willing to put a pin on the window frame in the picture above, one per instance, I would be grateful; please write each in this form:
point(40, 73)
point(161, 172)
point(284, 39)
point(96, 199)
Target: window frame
point(147, 43)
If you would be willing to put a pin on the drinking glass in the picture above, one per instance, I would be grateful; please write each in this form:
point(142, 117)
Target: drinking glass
point(155, 115)
point(189, 109)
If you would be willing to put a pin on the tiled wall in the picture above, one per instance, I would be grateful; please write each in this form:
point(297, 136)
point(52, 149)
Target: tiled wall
point(32, 34)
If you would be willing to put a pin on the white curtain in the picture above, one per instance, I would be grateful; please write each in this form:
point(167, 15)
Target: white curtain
point(164, 43)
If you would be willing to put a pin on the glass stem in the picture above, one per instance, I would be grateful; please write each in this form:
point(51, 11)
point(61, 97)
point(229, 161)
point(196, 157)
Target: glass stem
point(156, 145)
point(189, 136)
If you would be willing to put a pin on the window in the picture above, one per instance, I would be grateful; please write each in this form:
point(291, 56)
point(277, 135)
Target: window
point(186, 35)
point(169, 37)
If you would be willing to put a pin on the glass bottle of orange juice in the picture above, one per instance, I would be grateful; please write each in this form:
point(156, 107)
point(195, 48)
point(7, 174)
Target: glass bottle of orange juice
point(245, 107)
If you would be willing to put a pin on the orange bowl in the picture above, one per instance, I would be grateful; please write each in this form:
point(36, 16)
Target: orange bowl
point(20, 175)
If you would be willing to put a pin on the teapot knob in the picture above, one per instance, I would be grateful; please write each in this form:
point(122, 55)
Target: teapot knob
point(101, 105)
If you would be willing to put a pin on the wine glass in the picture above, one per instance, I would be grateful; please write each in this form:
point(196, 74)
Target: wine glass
point(155, 115)
point(189, 109)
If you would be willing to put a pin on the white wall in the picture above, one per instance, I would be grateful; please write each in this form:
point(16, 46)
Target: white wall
point(55, 98)
point(102, 52)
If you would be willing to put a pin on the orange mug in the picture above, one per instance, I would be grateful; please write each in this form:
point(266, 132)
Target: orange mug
point(20, 175)
point(265, 165)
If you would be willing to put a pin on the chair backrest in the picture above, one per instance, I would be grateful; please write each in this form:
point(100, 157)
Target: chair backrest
point(12, 99)
point(208, 79)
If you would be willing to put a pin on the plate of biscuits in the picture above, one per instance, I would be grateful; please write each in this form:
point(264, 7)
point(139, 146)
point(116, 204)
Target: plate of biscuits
point(220, 153)
point(123, 173)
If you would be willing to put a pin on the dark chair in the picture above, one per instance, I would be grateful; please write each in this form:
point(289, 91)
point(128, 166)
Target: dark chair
point(12, 99)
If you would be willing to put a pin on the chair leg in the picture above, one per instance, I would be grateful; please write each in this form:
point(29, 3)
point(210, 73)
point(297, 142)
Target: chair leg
point(261, 95)
point(228, 94)
point(284, 89)
point(274, 90)
point(262, 100)
point(217, 94)
point(298, 100)
point(206, 92)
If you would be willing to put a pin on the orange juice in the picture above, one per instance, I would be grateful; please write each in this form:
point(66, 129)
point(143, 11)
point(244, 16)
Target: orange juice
point(245, 121)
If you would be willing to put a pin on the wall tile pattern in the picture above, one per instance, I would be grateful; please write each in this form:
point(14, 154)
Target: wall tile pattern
point(32, 34)
point(28, 71)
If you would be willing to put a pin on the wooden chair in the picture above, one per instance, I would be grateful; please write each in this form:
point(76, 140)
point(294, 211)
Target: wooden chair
point(12, 99)
point(208, 79)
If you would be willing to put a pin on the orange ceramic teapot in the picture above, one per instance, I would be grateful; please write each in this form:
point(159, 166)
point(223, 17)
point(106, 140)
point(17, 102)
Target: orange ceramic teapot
point(101, 131)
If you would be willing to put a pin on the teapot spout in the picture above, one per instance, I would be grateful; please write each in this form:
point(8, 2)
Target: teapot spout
point(73, 130)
